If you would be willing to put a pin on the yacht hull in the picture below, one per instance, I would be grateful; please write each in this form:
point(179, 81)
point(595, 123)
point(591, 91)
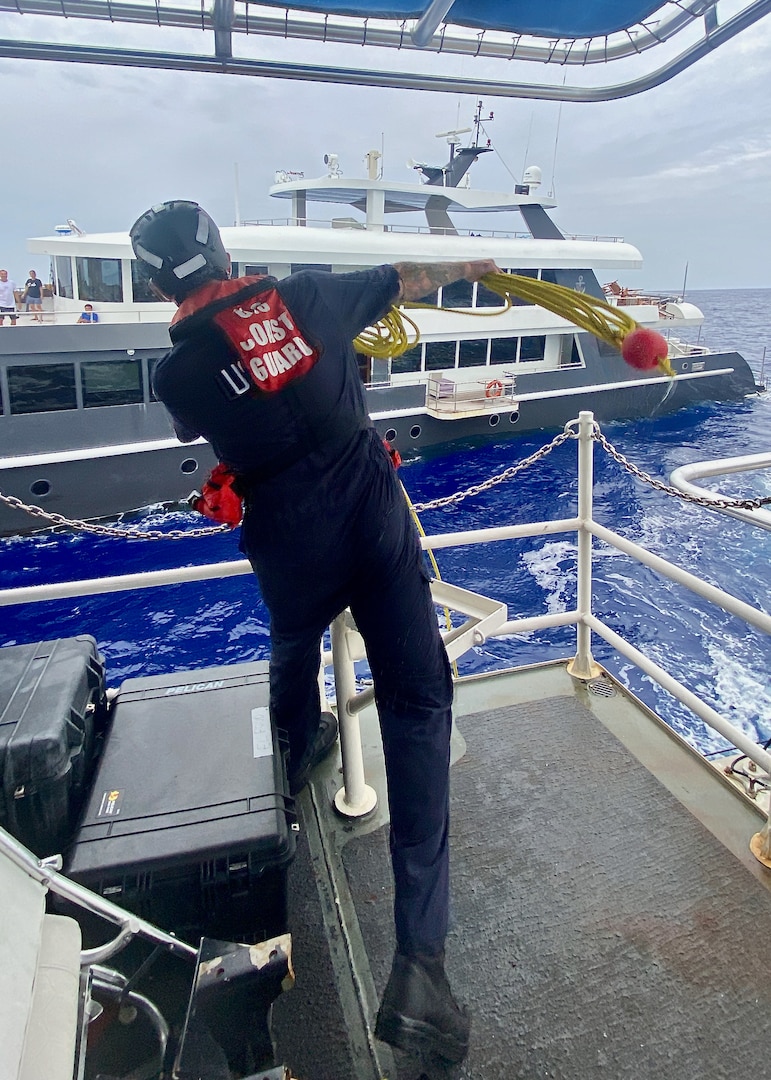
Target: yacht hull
point(103, 478)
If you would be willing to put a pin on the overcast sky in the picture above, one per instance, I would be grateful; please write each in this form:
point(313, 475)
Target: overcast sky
point(683, 172)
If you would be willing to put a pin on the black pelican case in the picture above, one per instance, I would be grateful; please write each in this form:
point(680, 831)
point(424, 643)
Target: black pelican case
point(52, 709)
point(190, 824)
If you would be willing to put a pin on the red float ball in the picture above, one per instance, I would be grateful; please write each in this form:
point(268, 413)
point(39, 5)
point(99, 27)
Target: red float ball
point(644, 348)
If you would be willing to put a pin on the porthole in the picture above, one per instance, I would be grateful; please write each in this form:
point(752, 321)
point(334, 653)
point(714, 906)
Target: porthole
point(415, 432)
point(684, 366)
point(513, 417)
point(390, 435)
point(189, 465)
point(494, 420)
point(41, 488)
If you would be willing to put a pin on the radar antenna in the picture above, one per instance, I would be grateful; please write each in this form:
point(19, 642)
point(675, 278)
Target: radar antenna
point(449, 135)
point(479, 122)
point(453, 138)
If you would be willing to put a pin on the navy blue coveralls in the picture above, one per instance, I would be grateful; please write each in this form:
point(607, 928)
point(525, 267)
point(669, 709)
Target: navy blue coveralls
point(326, 527)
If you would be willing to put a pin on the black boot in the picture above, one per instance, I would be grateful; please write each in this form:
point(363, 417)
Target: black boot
point(320, 746)
point(418, 1011)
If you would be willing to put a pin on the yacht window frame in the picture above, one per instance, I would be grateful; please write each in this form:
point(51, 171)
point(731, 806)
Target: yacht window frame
point(101, 292)
point(111, 365)
point(435, 346)
point(516, 338)
point(41, 368)
point(138, 278)
point(64, 260)
point(469, 344)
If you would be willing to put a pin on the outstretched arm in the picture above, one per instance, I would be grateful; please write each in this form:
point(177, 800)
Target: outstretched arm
point(420, 279)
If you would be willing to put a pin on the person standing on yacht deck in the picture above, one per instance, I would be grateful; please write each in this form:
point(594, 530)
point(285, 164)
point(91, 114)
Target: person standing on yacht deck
point(7, 298)
point(265, 371)
point(33, 296)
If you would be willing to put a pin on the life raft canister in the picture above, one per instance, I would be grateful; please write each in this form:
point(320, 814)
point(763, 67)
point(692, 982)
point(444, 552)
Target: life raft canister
point(494, 388)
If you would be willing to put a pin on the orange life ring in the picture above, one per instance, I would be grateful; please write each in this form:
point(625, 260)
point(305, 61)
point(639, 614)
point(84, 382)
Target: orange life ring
point(494, 388)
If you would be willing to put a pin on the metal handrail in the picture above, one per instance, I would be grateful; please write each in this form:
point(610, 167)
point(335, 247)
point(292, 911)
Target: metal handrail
point(222, 62)
point(47, 873)
point(602, 49)
point(344, 651)
point(682, 479)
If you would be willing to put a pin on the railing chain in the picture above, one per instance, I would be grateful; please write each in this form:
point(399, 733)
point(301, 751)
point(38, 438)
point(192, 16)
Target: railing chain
point(507, 474)
point(434, 504)
point(699, 500)
point(109, 530)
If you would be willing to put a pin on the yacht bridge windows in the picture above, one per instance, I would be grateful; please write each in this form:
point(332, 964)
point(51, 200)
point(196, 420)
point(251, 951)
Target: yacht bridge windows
point(114, 280)
point(462, 295)
point(140, 286)
point(525, 352)
point(99, 279)
point(63, 276)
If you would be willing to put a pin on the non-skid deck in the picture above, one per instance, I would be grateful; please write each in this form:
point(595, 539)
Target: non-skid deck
point(599, 929)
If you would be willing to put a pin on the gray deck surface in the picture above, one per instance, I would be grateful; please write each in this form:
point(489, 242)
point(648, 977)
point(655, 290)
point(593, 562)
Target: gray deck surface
point(599, 930)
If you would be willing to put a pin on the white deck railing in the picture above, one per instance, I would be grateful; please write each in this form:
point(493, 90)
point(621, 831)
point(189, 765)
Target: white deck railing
point(683, 478)
point(485, 618)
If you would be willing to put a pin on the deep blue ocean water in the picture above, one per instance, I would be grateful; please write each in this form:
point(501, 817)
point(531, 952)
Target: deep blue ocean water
point(192, 626)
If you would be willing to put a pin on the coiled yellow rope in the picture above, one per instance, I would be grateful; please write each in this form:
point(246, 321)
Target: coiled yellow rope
point(390, 338)
point(610, 324)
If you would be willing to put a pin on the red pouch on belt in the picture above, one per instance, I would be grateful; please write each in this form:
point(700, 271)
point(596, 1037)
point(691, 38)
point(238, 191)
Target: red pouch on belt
point(218, 498)
point(393, 453)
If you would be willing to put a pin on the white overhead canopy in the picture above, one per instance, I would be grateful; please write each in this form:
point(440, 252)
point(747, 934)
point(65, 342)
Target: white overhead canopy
point(557, 34)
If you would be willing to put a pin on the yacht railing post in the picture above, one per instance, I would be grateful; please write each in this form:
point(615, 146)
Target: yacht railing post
point(355, 798)
point(582, 666)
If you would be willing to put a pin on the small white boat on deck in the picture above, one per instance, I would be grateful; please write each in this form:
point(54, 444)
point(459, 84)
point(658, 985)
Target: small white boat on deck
point(80, 432)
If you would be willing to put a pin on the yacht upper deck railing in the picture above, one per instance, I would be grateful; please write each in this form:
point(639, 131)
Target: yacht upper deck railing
point(476, 231)
point(485, 618)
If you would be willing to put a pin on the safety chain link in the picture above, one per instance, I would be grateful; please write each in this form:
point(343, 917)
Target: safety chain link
point(476, 489)
point(434, 504)
point(110, 530)
point(699, 500)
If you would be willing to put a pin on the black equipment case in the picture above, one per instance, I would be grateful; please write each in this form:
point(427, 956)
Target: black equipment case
point(189, 824)
point(52, 706)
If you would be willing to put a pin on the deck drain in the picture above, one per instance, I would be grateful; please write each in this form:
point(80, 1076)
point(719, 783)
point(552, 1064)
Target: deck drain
point(601, 687)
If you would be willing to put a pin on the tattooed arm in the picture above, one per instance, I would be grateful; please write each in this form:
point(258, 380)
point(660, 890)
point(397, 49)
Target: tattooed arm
point(420, 279)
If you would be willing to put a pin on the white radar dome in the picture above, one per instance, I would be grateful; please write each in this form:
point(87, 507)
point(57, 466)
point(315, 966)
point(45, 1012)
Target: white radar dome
point(532, 176)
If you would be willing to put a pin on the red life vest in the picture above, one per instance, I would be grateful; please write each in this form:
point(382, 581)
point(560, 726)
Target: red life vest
point(259, 327)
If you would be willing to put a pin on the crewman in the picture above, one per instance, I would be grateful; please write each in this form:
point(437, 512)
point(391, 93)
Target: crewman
point(265, 371)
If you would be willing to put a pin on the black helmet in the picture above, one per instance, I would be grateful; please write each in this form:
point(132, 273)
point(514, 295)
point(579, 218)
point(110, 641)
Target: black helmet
point(179, 247)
